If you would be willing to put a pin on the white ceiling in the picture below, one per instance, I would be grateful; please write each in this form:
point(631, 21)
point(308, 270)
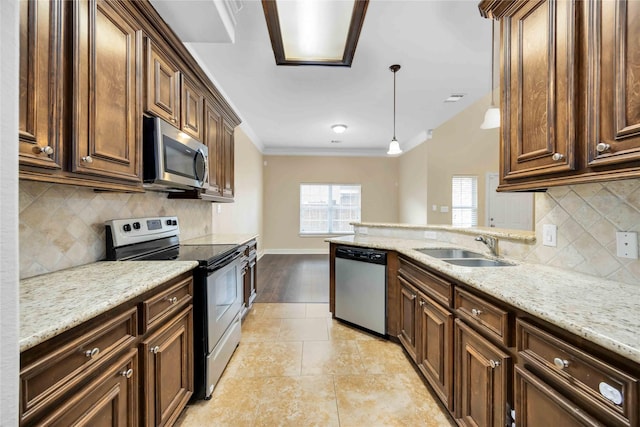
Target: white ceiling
point(444, 47)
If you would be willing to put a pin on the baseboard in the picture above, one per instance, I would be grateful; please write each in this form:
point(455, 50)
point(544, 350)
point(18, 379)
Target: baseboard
point(296, 251)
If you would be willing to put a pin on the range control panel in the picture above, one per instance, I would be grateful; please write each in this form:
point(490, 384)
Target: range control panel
point(136, 230)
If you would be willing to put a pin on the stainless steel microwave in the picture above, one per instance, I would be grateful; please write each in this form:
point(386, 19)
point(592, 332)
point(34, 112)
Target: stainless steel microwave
point(171, 158)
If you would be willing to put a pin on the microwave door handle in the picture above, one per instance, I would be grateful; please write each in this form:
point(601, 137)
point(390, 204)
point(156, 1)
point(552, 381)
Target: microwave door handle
point(204, 179)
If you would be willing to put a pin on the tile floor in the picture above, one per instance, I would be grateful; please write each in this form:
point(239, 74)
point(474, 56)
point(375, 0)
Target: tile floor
point(295, 366)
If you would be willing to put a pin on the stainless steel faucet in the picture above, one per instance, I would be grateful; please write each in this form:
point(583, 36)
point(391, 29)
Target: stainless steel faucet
point(491, 242)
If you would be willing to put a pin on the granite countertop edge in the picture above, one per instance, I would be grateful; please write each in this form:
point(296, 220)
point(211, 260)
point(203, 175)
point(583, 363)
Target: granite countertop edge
point(53, 303)
point(596, 309)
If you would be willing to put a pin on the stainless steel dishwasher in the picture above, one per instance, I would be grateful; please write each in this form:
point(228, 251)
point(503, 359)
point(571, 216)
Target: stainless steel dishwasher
point(361, 287)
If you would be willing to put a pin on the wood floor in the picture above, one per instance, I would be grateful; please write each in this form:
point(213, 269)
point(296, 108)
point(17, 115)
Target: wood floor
point(293, 278)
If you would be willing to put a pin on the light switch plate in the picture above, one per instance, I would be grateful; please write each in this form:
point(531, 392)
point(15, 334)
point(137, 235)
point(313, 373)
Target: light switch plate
point(627, 244)
point(550, 235)
point(444, 209)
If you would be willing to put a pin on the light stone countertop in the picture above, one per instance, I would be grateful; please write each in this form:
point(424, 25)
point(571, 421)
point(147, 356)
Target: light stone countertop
point(602, 311)
point(220, 239)
point(500, 233)
point(56, 302)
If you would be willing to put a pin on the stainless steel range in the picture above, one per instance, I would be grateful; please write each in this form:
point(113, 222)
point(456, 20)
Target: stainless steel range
point(217, 300)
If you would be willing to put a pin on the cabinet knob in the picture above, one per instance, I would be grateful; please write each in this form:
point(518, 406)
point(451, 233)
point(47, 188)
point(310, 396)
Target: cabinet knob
point(602, 147)
point(557, 157)
point(87, 159)
point(421, 303)
point(92, 353)
point(172, 300)
point(494, 363)
point(127, 374)
point(43, 150)
point(561, 363)
point(476, 312)
point(155, 349)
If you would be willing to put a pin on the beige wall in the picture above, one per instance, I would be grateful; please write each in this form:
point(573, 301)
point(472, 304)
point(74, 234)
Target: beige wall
point(284, 174)
point(458, 147)
point(412, 186)
point(244, 216)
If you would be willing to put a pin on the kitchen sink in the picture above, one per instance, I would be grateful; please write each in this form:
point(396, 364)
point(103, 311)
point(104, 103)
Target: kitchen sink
point(477, 262)
point(463, 257)
point(450, 253)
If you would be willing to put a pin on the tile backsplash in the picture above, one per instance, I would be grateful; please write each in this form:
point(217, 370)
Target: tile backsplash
point(62, 226)
point(588, 217)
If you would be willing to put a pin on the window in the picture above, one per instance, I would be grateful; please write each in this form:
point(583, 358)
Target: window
point(464, 201)
point(328, 208)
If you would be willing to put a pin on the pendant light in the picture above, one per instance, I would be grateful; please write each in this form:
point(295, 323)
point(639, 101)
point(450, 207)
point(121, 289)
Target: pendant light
point(492, 116)
point(394, 147)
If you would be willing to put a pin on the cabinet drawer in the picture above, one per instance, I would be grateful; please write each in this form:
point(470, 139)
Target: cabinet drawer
point(490, 319)
point(49, 377)
point(580, 375)
point(158, 308)
point(435, 287)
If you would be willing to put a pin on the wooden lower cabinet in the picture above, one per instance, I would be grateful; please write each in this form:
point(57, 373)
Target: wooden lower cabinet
point(482, 376)
point(408, 310)
point(538, 404)
point(435, 347)
point(250, 274)
point(168, 370)
point(109, 400)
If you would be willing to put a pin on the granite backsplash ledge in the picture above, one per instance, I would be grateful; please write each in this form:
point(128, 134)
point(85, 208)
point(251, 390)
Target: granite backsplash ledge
point(62, 226)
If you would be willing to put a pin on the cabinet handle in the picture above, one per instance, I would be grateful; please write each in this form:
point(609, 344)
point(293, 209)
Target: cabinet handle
point(172, 300)
point(92, 353)
point(561, 363)
point(155, 349)
point(602, 147)
point(87, 159)
point(476, 312)
point(43, 150)
point(494, 363)
point(557, 157)
point(127, 374)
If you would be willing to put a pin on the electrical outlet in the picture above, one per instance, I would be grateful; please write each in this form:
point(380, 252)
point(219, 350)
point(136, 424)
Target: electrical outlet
point(550, 235)
point(444, 209)
point(363, 230)
point(627, 244)
point(219, 209)
point(430, 235)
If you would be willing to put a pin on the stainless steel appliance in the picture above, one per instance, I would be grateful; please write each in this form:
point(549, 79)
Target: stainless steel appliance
point(361, 287)
point(171, 158)
point(218, 288)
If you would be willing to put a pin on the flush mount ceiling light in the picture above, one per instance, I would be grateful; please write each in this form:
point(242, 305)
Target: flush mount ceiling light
point(311, 32)
point(492, 115)
point(394, 147)
point(339, 128)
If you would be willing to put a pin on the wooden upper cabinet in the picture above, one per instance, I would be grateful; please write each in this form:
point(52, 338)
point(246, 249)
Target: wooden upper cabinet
point(106, 125)
point(613, 82)
point(228, 162)
point(163, 85)
point(538, 97)
point(40, 37)
point(213, 141)
point(191, 108)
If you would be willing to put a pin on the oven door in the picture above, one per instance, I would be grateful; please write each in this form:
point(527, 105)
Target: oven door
point(224, 300)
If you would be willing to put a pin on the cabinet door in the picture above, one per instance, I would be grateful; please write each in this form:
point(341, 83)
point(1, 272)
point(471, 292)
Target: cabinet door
point(40, 84)
point(408, 304)
point(106, 81)
point(435, 355)
point(163, 86)
point(109, 400)
point(614, 82)
point(213, 141)
point(191, 109)
point(538, 96)
point(228, 160)
point(168, 370)
point(538, 404)
point(481, 379)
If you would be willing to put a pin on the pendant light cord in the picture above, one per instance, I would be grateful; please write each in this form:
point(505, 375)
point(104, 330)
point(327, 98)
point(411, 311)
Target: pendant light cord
point(493, 43)
point(394, 69)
